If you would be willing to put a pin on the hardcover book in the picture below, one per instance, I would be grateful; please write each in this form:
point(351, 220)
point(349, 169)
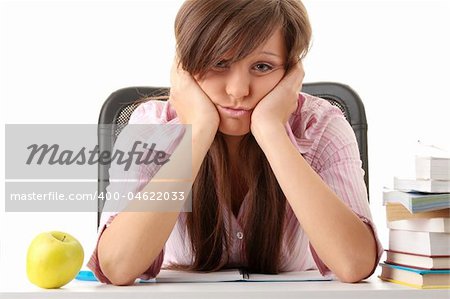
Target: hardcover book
point(426, 262)
point(436, 225)
point(425, 243)
point(436, 168)
point(430, 186)
point(417, 201)
point(397, 211)
point(422, 279)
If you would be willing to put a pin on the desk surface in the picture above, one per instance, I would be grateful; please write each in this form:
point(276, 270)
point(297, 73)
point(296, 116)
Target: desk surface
point(370, 288)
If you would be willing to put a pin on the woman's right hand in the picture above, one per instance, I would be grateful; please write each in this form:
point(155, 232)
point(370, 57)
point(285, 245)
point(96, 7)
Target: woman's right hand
point(191, 103)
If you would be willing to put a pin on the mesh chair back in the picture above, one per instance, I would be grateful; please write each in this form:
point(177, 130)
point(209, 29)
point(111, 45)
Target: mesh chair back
point(119, 106)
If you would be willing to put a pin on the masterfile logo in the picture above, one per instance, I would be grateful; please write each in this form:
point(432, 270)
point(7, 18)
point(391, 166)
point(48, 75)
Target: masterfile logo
point(52, 155)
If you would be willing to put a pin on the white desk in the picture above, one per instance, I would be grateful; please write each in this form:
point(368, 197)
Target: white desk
point(370, 288)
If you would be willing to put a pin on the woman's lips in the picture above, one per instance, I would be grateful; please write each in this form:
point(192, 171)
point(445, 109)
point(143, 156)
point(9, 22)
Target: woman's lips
point(234, 112)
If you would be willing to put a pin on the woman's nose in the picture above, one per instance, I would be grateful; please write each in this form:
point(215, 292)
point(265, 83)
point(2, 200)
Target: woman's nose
point(238, 84)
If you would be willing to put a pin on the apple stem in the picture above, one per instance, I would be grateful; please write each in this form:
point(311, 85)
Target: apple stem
point(63, 239)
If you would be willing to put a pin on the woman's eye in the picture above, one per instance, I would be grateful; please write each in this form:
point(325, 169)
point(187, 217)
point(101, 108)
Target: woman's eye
point(221, 64)
point(263, 67)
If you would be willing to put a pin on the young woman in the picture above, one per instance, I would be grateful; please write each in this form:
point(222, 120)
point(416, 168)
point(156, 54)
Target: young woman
point(278, 179)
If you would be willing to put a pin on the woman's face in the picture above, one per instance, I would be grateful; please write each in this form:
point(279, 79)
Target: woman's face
point(236, 89)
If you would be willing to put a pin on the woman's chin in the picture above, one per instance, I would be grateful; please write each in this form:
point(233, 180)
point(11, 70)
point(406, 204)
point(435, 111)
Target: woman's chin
point(241, 131)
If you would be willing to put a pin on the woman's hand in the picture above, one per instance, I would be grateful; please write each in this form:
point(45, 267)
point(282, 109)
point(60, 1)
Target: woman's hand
point(191, 103)
point(277, 106)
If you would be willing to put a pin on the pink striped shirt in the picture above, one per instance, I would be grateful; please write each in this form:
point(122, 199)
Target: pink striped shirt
point(327, 142)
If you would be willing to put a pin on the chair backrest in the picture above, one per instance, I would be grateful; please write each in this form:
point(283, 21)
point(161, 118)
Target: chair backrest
point(119, 106)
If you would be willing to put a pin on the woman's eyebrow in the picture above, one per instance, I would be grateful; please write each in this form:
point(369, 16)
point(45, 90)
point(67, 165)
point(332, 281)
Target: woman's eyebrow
point(269, 53)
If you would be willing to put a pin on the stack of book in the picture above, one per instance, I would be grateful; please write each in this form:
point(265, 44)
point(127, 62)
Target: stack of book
point(418, 218)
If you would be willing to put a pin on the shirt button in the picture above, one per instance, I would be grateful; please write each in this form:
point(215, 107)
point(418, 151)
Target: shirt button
point(239, 235)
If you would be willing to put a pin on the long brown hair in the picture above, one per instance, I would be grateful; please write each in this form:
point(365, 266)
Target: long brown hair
point(205, 31)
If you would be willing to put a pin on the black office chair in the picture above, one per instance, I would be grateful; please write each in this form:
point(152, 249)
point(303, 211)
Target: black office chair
point(119, 106)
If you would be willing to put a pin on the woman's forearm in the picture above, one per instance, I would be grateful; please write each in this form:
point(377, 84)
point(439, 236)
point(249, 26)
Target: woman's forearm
point(134, 240)
point(343, 242)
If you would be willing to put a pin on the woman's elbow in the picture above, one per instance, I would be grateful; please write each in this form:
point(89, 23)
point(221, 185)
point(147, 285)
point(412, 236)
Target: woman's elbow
point(350, 278)
point(355, 273)
point(360, 266)
point(119, 281)
point(115, 270)
point(117, 276)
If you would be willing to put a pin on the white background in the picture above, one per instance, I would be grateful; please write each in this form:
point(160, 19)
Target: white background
point(60, 60)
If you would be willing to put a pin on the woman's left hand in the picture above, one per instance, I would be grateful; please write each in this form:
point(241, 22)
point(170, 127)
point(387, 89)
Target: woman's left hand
point(278, 105)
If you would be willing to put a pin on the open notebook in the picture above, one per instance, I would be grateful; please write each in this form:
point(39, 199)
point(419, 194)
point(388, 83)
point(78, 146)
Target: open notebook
point(226, 275)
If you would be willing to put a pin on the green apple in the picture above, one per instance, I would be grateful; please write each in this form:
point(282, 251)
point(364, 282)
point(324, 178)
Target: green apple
point(54, 259)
